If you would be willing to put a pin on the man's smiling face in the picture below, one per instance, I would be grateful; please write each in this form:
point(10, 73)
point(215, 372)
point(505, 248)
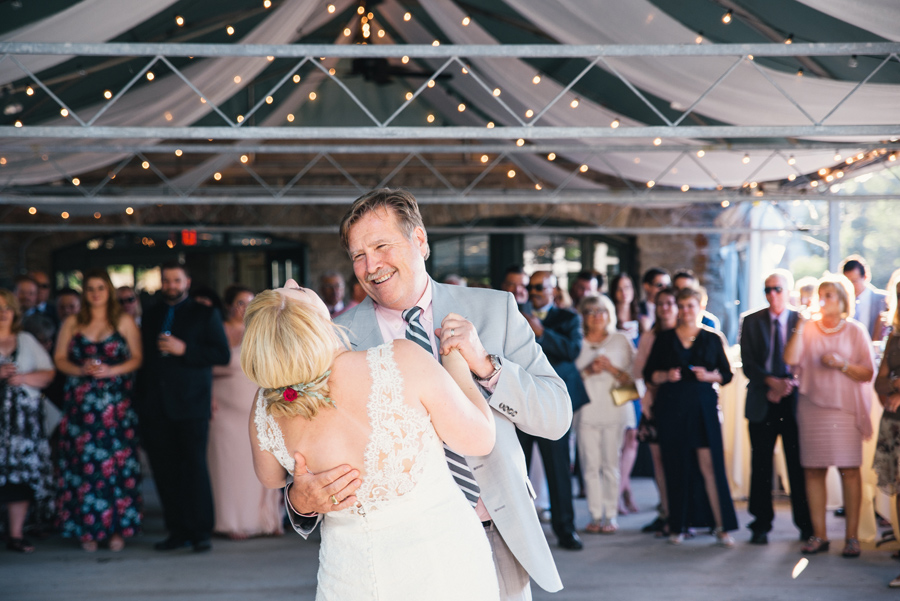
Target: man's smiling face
point(389, 266)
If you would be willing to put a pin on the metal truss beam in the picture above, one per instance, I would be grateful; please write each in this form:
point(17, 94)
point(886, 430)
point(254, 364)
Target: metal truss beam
point(449, 132)
point(449, 51)
point(524, 197)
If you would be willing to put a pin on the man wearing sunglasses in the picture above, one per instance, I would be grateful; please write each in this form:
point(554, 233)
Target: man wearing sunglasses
point(653, 280)
point(559, 333)
point(771, 407)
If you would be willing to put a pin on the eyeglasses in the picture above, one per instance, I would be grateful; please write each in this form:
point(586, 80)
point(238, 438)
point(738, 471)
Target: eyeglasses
point(127, 301)
point(537, 287)
point(594, 312)
point(775, 289)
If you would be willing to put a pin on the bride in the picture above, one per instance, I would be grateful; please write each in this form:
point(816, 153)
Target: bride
point(412, 533)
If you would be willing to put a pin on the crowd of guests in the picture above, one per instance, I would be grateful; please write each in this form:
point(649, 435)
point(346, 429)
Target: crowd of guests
point(165, 377)
point(90, 379)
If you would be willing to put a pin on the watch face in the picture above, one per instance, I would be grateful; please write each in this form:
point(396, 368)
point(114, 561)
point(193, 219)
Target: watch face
point(495, 361)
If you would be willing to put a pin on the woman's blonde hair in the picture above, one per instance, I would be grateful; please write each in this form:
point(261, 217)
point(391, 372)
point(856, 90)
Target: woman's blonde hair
point(602, 302)
point(844, 289)
point(288, 343)
point(13, 303)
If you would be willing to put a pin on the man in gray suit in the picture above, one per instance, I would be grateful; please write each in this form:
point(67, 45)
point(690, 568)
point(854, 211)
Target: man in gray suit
point(771, 407)
point(384, 234)
point(871, 302)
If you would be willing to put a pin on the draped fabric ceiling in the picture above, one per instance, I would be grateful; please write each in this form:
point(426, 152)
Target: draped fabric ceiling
point(747, 96)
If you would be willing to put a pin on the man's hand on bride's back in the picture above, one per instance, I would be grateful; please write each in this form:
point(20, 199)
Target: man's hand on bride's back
point(317, 493)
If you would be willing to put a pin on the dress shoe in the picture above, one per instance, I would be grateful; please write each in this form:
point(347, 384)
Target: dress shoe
point(201, 546)
point(655, 526)
point(839, 512)
point(170, 544)
point(760, 538)
point(570, 541)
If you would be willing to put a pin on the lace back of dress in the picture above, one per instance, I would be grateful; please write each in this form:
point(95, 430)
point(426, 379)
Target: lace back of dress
point(269, 434)
point(399, 441)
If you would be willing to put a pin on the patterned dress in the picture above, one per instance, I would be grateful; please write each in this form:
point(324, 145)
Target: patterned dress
point(99, 469)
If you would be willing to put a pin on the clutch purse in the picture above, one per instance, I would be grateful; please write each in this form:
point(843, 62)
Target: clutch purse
point(624, 394)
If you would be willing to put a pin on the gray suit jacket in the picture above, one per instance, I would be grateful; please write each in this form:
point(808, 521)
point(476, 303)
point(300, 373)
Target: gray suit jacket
point(529, 396)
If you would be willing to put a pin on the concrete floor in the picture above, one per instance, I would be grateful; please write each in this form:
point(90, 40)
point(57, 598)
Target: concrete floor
point(626, 566)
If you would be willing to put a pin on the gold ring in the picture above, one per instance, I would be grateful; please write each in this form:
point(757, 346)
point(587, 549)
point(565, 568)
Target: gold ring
point(452, 332)
point(334, 500)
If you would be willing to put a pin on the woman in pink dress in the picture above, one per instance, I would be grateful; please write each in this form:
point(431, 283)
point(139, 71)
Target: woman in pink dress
point(834, 355)
point(243, 507)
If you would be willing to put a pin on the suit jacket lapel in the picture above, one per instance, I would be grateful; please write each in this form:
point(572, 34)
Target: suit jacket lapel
point(765, 324)
point(364, 330)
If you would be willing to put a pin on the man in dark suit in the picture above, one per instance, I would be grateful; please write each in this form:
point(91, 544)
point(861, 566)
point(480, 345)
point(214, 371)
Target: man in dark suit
point(182, 340)
point(772, 406)
point(560, 335)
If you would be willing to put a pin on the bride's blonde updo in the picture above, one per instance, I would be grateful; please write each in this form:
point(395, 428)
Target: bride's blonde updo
point(288, 345)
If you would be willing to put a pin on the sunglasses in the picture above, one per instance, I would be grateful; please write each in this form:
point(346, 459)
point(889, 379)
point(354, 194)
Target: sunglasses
point(775, 289)
point(127, 301)
point(537, 287)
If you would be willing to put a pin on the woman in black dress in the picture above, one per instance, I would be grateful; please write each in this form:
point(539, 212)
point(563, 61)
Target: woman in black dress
point(684, 364)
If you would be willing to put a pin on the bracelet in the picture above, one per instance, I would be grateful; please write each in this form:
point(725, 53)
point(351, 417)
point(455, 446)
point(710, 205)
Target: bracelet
point(845, 367)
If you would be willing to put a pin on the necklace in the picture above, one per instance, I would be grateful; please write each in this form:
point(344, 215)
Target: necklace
point(833, 330)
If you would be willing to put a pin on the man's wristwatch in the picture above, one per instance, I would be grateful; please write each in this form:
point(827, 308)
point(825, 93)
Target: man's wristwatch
point(495, 362)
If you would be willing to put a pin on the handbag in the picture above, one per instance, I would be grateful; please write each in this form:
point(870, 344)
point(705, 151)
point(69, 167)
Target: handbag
point(624, 394)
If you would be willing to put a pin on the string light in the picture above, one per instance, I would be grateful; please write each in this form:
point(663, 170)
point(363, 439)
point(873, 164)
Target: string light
point(520, 142)
point(800, 72)
point(538, 187)
point(178, 152)
point(296, 78)
point(18, 124)
point(347, 32)
point(65, 215)
point(753, 184)
point(97, 215)
point(551, 156)
point(76, 181)
point(699, 38)
point(583, 168)
point(511, 173)
point(496, 91)
point(615, 123)
point(789, 39)
point(651, 183)
point(725, 204)
point(381, 33)
point(726, 18)
point(32, 211)
point(229, 30)
point(574, 103)
point(245, 159)
point(701, 154)
point(484, 158)
point(746, 159)
point(407, 16)
point(217, 176)
point(2, 160)
point(129, 211)
point(860, 156)
point(267, 3)
point(145, 165)
point(409, 95)
point(823, 171)
point(430, 118)
point(240, 118)
point(792, 177)
point(29, 91)
point(312, 96)
point(461, 107)
point(64, 112)
point(331, 8)
point(179, 20)
point(332, 71)
point(150, 75)
point(269, 100)
point(168, 116)
point(237, 79)
point(430, 83)
point(464, 71)
point(107, 94)
point(838, 157)
point(657, 141)
point(529, 113)
point(685, 188)
point(814, 184)
point(371, 16)
point(466, 21)
point(893, 157)
point(360, 10)
point(791, 160)
point(490, 125)
point(536, 79)
point(290, 118)
point(436, 43)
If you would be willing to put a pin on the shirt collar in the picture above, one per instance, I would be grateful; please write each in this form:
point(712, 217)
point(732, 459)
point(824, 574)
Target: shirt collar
point(423, 303)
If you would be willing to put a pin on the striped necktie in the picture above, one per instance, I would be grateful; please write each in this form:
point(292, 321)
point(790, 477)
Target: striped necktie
point(456, 462)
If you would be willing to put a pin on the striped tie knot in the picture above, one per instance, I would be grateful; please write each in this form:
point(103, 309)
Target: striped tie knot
point(412, 314)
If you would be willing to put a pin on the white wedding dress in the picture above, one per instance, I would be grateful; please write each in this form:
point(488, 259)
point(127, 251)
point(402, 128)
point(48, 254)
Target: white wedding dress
point(412, 535)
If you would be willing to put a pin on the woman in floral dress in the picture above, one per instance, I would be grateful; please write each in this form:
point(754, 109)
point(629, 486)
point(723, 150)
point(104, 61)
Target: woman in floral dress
point(100, 475)
point(25, 368)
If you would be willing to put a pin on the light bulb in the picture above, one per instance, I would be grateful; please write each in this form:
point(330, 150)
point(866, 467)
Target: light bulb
point(726, 18)
point(536, 79)
point(746, 159)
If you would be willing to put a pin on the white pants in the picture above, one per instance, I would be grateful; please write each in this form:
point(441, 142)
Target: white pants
point(600, 447)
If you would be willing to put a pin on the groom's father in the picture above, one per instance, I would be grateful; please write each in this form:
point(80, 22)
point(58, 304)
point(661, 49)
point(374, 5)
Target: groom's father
point(386, 239)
